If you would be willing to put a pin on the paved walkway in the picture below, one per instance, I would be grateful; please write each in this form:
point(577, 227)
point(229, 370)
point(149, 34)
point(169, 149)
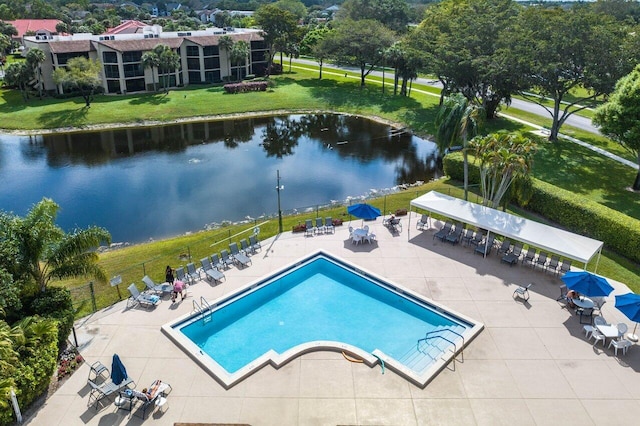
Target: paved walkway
point(530, 365)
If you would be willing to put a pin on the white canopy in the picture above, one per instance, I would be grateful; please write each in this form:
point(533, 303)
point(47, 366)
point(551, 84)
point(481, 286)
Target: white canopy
point(564, 243)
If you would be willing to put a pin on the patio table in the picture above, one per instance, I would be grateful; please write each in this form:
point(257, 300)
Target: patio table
point(610, 331)
point(584, 303)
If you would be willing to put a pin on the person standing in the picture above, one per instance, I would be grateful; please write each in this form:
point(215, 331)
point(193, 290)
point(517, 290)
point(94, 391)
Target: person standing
point(168, 275)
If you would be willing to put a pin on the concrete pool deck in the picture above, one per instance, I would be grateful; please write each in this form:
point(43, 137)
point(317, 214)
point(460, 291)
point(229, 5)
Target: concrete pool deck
point(531, 364)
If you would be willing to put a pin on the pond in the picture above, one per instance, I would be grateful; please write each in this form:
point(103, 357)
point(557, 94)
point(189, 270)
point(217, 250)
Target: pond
point(154, 182)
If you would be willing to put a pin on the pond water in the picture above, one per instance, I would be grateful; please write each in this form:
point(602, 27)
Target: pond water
point(154, 182)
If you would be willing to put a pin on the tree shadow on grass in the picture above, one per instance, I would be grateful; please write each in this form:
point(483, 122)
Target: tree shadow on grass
point(150, 99)
point(64, 118)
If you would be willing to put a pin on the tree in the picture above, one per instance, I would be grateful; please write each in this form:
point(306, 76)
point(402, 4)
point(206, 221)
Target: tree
point(81, 74)
point(226, 43)
point(393, 14)
point(151, 60)
point(360, 43)
point(458, 120)
point(239, 54)
point(44, 251)
point(35, 58)
point(504, 159)
point(8, 29)
point(169, 63)
point(294, 6)
point(589, 53)
point(62, 27)
point(619, 118)
point(277, 25)
point(19, 74)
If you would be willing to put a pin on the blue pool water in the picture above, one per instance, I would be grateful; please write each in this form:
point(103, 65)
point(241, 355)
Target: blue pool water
point(318, 301)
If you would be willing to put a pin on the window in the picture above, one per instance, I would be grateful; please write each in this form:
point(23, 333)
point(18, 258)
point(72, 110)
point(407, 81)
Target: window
point(135, 56)
point(111, 71)
point(109, 57)
point(113, 86)
point(133, 70)
point(193, 63)
point(63, 58)
point(258, 45)
point(135, 85)
point(193, 51)
point(257, 57)
point(212, 76)
point(211, 51)
point(194, 77)
point(211, 63)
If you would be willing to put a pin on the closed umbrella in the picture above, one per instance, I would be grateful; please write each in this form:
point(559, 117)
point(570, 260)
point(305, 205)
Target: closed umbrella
point(587, 283)
point(629, 304)
point(118, 372)
point(364, 211)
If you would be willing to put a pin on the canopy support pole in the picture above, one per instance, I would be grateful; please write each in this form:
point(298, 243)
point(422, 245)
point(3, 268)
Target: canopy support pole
point(598, 259)
point(486, 244)
point(409, 224)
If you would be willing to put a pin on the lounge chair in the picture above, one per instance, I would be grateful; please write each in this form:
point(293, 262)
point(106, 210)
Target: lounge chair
point(238, 257)
point(216, 262)
point(565, 267)
point(523, 292)
point(328, 225)
point(529, 256)
point(255, 244)
point(477, 239)
point(226, 260)
point(541, 260)
point(513, 256)
point(308, 228)
point(553, 264)
point(454, 237)
point(193, 273)
point(106, 389)
point(467, 235)
point(143, 299)
point(486, 247)
point(212, 273)
point(180, 275)
point(319, 228)
point(152, 398)
point(157, 288)
point(245, 247)
point(99, 371)
point(505, 246)
point(444, 231)
point(423, 223)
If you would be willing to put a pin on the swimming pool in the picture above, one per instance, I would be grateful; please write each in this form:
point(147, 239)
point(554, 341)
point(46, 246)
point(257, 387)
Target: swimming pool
point(322, 303)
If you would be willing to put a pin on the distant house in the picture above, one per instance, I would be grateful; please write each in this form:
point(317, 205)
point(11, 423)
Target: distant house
point(128, 27)
point(39, 27)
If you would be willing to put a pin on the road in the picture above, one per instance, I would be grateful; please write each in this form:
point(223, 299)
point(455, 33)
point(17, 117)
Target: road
point(577, 121)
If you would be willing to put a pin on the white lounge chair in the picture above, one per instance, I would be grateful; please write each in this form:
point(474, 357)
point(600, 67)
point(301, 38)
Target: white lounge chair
point(157, 288)
point(255, 244)
point(143, 299)
point(193, 273)
point(328, 225)
point(212, 273)
point(238, 257)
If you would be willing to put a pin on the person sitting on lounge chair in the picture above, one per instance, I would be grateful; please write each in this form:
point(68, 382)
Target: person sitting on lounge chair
point(153, 390)
point(178, 288)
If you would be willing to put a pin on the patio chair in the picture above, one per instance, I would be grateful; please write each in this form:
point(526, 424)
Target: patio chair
point(159, 289)
point(245, 247)
point(529, 256)
point(588, 329)
point(193, 273)
point(622, 328)
point(226, 260)
point(597, 337)
point(477, 239)
point(599, 321)
point(308, 230)
point(99, 371)
point(319, 228)
point(541, 260)
point(513, 256)
point(553, 264)
point(255, 244)
point(238, 257)
point(181, 275)
point(522, 292)
point(565, 267)
point(504, 247)
point(211, 273)
point(467, 236)
point(142, 299)
point(444, 231)
point(423, 223)
point(623, 344)
point(216, 262)
point(563, 293)
point(454, 237)
point(598, 303)
point(328, 225)
point(106, 389)
point(486, 247)
point(585, 313)
point(152, 397)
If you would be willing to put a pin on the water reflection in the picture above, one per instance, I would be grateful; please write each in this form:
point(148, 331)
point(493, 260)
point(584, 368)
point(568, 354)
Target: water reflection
point(165, 180)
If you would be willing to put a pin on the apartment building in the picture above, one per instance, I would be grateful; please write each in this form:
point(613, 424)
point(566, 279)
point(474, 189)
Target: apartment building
point(202, 62)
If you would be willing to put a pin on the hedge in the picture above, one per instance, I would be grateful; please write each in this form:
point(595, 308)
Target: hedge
point(248, 86)
point(619, 232)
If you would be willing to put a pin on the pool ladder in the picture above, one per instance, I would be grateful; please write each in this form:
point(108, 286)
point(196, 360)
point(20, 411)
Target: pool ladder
point(436, 334)
point(204, 309)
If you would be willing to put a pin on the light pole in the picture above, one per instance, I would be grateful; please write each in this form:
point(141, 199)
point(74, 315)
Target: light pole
point(278, 189)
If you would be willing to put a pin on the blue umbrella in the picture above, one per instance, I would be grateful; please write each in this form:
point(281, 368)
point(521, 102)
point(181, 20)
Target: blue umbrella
point(629, 304)
point(118, 372)
point(587, 283)
point(364, 211)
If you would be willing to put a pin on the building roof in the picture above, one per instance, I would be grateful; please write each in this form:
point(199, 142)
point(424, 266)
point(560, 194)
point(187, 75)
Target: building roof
point(70, 46)
point(141, 44)
point(127, 27)
point(213, 40)
point(545, 237)
point(25, 25)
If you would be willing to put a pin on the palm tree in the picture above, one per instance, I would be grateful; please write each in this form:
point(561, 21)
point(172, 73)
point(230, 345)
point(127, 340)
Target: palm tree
point(226, 43)
point(151, 60)
point(458, 121)
point(169, 61)
point(43, 251)
point(35, 58)
point(239, 54)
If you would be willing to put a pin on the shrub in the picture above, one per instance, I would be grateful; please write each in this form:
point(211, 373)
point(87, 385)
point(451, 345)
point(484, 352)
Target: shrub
point(247, 86)
point(618, 231)
point(56, 303)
